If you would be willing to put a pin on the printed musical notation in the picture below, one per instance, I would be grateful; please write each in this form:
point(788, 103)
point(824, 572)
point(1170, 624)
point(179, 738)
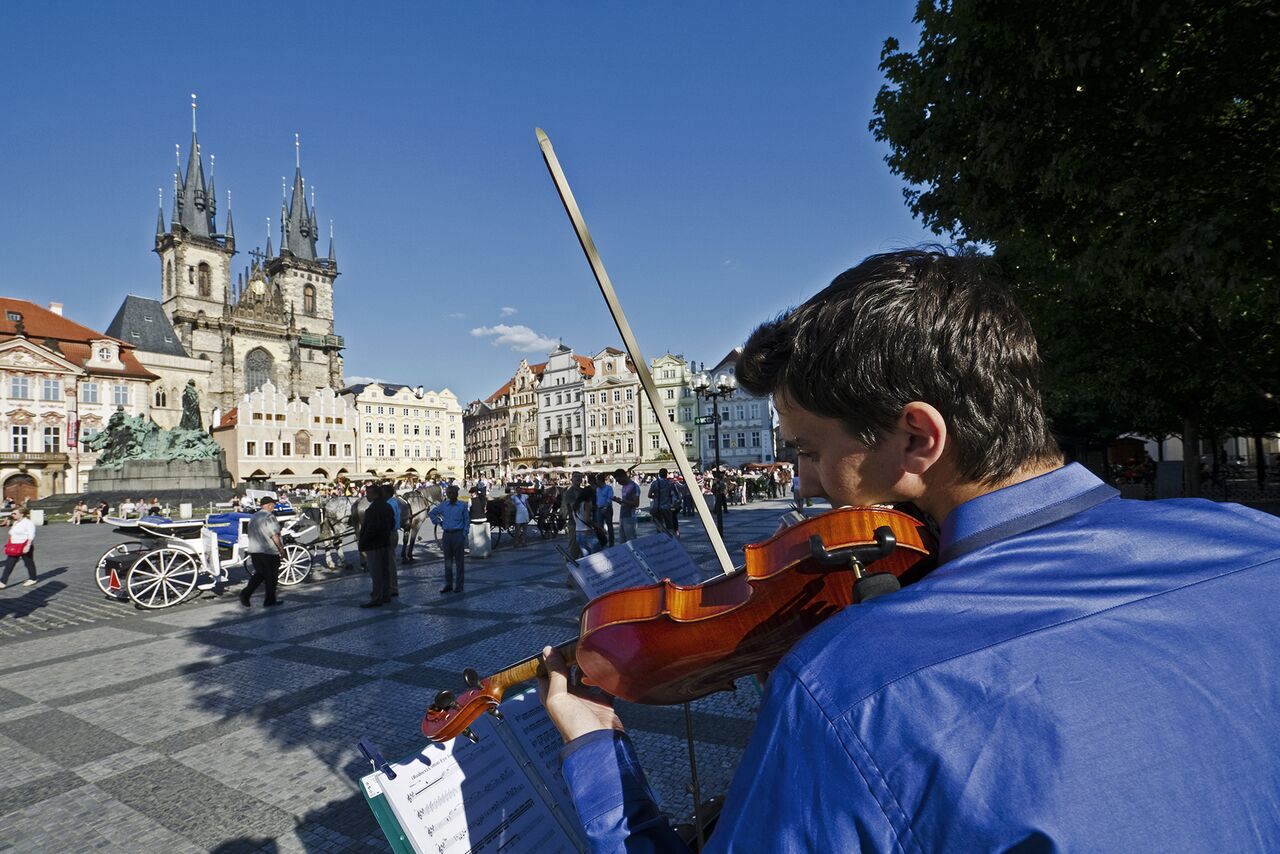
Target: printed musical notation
point(642, 561)
point(501, 793)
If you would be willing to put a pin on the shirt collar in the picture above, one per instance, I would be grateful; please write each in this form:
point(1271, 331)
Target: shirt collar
point(1016, 509)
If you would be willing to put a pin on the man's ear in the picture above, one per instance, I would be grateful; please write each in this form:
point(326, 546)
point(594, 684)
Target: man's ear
point(925, 433)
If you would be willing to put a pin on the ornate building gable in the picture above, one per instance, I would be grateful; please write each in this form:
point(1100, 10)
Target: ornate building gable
point(21, 354)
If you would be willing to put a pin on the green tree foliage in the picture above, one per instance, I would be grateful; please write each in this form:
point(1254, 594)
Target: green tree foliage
point(1120, 160)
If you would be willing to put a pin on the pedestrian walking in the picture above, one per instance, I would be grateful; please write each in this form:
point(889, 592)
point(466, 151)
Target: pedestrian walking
point(22, 544)
point(393, 502)
point(453, 518)
point(265, 551)
point(589, 534)
point(604, 508)
point(521, 504)
point(568, 502)
point(628, 501)
point(662, 502)
point(374, 539)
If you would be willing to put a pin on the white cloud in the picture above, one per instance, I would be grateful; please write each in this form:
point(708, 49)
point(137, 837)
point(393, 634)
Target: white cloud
point(506, 311)
point(521, 339)
point(357, 380)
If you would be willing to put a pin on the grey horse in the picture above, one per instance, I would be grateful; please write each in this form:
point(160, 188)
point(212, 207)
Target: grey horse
point(340, 517)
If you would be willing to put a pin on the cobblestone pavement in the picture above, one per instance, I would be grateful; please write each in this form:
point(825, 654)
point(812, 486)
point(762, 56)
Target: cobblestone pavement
point(205, 727)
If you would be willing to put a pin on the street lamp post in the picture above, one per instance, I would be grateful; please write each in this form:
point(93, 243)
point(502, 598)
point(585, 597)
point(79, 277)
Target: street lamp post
point(723, 386)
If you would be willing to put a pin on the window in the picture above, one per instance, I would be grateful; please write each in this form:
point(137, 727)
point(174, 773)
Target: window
point(724, 440)
point(591, 398)
point(755, 410)
point(52, 390)
point(317, 450)
point(286, 449)
point(591, 421)
point(617, 395)
point(259, 367)
point(368, 426)
point(548, 425)
point(686, 413)
point(368, 450)
point(671, 394)
point(120, 395)
point(741, 411)
point(19, 387)
point(559, 398)
point(268, 449)
point(631, 446)
point(631, 416)
point(755, 438)
point(382, 428)
point(168, 278)
point(416, 429)
point(631, 393)
point(742, 440)
point(577, 443)
point(617, 418)
point(724, 413)
point(250, 449)
point(437, 431)
point(191, 275)
point(206, 289)
point(593, 448)
point(309, 299)
point(671, 415)
point(380, 410)
point(653, 442)
point(19, 436)
point(382, 450)
point(391, 451)
point(391, 428)
point(368, 410)
point(333, 449)
point(547, 401)
point(346, 450)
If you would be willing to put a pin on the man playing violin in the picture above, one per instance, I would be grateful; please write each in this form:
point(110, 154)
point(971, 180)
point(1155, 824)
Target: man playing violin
point(1080, 672)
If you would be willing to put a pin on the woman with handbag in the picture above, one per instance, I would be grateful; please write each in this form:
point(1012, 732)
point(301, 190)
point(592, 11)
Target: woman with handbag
point(22, 544)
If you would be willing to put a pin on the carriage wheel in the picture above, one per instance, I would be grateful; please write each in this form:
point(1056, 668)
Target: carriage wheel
point(295, 566)
point(102, 574)
point(162, 577)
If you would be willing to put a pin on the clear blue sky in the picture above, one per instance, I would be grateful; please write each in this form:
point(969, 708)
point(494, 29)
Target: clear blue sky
point(719, 151)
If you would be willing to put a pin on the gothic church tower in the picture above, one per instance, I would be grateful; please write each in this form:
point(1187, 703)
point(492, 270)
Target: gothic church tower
point(275, 322)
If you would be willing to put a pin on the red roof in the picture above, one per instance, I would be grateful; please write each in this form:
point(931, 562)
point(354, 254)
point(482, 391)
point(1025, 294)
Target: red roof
point(506, 387)
point(230, 418)
point(585, 365)
point(538, 368)
point(73, 339)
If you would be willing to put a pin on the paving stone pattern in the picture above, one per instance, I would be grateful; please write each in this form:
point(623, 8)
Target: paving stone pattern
point(206, 727)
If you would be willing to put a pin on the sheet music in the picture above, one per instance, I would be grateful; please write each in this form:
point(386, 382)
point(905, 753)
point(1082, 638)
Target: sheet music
point(664, 557)
point(526, 719)
point(464, 797)
point(608, 570)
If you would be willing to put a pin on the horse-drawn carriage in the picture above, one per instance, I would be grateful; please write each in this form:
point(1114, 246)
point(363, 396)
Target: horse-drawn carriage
point(172, 561)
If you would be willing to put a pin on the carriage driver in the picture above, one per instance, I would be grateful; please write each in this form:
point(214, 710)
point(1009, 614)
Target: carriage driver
point(266, 549)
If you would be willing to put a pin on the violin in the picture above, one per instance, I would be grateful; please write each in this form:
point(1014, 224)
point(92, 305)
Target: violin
point(666, 643)
point(663, 644)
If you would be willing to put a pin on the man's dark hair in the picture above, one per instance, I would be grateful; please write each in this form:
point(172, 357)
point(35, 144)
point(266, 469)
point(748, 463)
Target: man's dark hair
point(621, 476)
point(913, 325)
point(662, 472)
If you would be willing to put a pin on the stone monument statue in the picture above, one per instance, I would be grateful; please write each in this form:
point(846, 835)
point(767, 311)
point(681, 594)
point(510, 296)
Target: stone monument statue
point(191, 408)
point(136, 437)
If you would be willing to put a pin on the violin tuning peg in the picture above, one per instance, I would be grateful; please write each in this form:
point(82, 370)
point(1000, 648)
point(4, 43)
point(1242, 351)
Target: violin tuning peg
point(471, 678)
point(471, 736)
point(496, 712)
point(445, 700)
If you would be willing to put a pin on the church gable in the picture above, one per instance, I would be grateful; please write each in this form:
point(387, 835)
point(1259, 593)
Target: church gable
point(22, 354)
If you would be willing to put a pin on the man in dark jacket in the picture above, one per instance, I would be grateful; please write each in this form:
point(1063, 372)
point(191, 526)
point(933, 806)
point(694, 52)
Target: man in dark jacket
point(375, 536)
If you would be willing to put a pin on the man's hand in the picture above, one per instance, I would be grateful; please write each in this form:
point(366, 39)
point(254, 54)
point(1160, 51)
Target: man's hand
point(574, 709)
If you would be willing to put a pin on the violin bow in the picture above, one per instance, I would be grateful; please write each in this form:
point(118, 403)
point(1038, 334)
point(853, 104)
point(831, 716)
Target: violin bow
point(633, 349)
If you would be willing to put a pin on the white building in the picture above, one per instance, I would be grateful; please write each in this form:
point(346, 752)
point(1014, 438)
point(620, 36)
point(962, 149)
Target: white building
point(746, 423)
point(560, 412)
point(612, 411)
point(673, 377)
point(268, 437)
point(407, 432)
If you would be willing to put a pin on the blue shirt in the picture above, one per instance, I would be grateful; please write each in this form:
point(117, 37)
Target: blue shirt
point(451, 517)
point(604, 497)
point(1081, 673)
point(394, 504)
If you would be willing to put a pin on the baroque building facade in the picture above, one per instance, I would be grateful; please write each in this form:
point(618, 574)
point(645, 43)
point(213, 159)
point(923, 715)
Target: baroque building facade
point(673, 378)
point(612, 410)
point(486, 428)
point(274, 322)
point(522, 410)
point(407, 432)
point(746, 423)
point(560, 408)
point(59, 383)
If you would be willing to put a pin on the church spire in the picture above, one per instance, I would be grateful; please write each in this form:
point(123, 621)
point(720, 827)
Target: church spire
point(299, 232)
point(160, 214)
point(195, 209)
point(332, 260)
point(268, 255)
